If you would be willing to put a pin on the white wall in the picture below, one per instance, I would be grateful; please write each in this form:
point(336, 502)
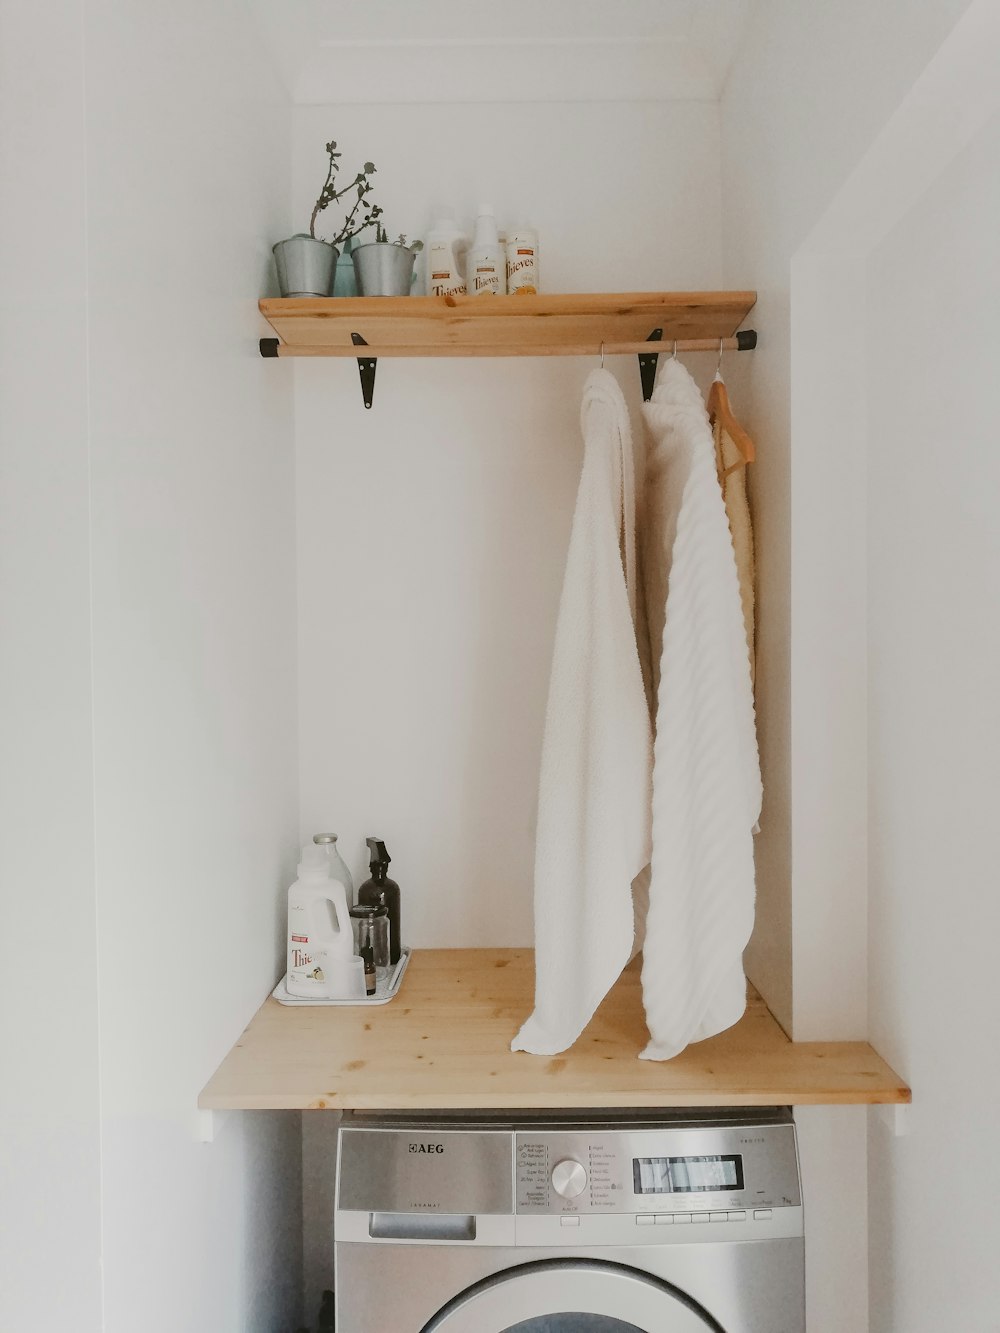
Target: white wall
point(433, 528)
point(810, 90)
point(830, 119)
point(49, 1100)
point(194, 645)
point(149, 686)
point(934, 642)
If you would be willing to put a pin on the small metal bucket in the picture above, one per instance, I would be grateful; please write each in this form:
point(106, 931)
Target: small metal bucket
point(383, 269)
point(306, 267)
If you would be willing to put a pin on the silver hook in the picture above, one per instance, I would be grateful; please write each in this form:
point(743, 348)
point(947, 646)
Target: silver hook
point(673, 354)
point(718, 366)
point(602, 356)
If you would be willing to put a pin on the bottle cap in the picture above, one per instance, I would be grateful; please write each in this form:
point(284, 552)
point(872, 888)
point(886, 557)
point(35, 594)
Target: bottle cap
point(324, 839)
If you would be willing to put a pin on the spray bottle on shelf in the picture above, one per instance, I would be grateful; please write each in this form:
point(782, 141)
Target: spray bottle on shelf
point(486, 262)
point(319, 922)
point(381, 891)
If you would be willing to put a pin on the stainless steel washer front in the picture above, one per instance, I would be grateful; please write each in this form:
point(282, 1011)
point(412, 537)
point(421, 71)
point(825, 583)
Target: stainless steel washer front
point(683, 1223)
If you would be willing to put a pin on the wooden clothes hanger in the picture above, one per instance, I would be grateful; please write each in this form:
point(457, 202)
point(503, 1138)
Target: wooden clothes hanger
point(720, 410)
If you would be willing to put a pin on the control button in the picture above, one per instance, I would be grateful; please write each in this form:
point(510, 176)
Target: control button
point(762, 1214)
point(738, 1217)
point(569, 1221)
point(569, 1178)
point(680, 1218)
point(664, 1219)
point(700, 1217)
point(645, 1220)
point(719, 1217)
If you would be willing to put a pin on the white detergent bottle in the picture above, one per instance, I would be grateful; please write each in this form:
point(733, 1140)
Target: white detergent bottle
point(320, 939)
point(486, 262)
point(445, 272)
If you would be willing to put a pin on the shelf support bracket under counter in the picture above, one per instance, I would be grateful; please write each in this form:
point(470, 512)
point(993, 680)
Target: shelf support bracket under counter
point(210, 1124)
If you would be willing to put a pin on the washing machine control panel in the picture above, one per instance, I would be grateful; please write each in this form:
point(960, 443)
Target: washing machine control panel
point(698, 1171)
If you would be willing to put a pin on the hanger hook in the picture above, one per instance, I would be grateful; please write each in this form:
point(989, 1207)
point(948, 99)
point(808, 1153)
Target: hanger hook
point(718, 365)
point(602, 355)
point(673, 354)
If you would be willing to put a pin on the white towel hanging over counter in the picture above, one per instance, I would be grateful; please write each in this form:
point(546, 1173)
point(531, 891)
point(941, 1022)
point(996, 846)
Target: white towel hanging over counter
point(706, 771)
point(595, 788)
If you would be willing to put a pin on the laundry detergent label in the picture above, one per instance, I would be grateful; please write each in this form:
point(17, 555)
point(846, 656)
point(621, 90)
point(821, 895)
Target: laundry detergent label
point(300, 963)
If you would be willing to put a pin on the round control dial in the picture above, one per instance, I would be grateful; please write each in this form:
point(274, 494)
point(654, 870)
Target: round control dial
point(569, 1178)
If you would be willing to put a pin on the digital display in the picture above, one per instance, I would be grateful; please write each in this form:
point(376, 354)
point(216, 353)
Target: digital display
point(687, 1175)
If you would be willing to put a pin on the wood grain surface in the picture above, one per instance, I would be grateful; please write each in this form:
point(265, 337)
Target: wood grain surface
point(444, 1041)
point(500, 325)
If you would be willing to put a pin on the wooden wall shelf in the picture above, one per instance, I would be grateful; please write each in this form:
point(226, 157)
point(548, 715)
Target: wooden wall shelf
point(445, 1042)
point(582, 325)
point(574, 325)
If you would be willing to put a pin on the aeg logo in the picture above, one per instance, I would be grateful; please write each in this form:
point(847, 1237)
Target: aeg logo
point(426, 1147)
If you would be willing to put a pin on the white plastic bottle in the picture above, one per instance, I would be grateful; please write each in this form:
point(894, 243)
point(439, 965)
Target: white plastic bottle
point(319, 920)
point(522, 261)
point(486, 263)
point(445, 275)
point(338, 868)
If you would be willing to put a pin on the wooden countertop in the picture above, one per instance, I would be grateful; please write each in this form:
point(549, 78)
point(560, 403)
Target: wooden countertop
point(444, 1041)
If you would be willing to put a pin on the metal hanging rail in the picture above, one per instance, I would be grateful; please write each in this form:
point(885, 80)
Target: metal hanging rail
point(743, 341)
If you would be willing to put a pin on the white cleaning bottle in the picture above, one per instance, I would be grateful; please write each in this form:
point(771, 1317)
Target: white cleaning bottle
point(522, 261)
point(319, 922)
point(445, 276)
point(486, 262)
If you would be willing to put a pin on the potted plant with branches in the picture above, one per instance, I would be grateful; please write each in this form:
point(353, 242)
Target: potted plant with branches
point(307, 263)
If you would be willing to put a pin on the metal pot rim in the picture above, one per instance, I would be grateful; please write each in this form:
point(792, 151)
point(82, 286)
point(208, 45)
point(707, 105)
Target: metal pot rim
point(367, 245)
point(304, 236)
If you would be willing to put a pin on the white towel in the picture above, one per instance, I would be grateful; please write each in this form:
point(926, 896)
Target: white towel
point(593, 834)
point(706, 775)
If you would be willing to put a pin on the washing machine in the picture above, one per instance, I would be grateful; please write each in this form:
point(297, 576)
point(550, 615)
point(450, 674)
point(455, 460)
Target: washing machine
point(673, 1222)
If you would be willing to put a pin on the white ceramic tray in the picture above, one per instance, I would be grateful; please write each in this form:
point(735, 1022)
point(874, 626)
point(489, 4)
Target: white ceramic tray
point(387, 984)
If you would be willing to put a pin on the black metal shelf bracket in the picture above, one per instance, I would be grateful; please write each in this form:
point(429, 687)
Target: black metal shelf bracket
point(366, 369)
point(269, 346)
point(647, 366)
point(746, 340)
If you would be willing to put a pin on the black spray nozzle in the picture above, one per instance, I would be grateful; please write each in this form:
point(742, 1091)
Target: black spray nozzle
point(379, 857)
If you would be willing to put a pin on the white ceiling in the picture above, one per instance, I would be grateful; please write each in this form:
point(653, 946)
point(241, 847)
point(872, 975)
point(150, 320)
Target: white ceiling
point(358, 51)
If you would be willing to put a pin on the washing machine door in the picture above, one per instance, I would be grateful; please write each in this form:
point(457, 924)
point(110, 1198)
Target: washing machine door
point(572, 1296)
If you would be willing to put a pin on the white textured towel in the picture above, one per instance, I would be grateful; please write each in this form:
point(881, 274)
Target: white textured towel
point(706, 774)
point(594, 798)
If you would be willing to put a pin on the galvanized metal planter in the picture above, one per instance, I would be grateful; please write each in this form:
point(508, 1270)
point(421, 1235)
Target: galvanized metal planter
point(383, 269)
point(306, 267)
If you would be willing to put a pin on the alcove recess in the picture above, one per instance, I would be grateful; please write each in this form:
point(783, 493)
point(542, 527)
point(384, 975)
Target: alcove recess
point(445, 1040)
